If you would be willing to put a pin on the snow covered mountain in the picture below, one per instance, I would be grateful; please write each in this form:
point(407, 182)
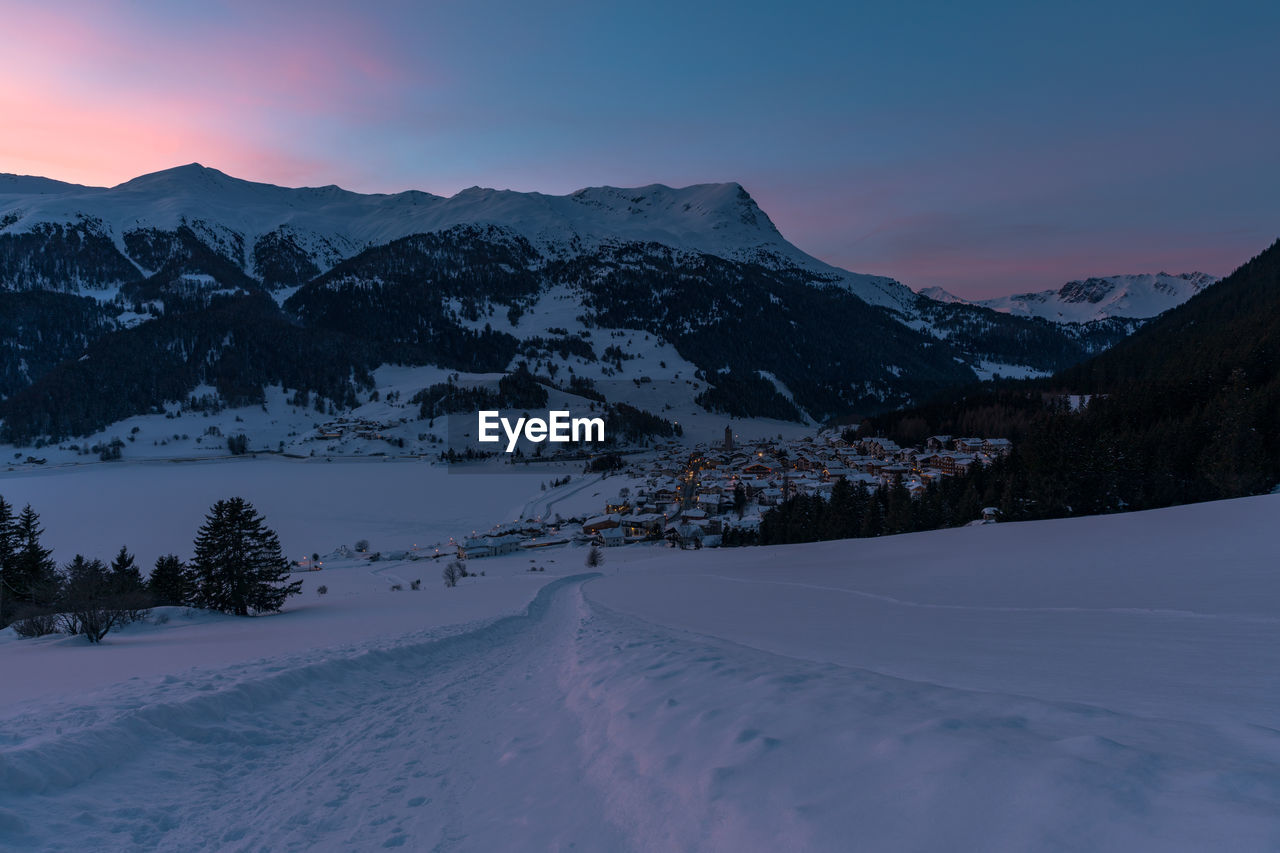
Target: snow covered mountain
point(1137, 297)
point(248, 221)
point(116, 301)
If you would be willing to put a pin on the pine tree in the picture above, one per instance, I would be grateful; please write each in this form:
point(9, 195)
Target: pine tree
point(34, 576)
point(8, 548)
point(170, 582)
point(238, 566)
point(125, 575)
point(898, 508)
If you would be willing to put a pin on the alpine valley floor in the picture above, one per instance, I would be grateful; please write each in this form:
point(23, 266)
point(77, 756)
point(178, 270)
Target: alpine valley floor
point(1101, 683)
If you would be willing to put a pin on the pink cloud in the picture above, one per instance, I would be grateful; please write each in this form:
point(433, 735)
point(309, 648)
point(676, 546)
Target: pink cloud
point(99, 98)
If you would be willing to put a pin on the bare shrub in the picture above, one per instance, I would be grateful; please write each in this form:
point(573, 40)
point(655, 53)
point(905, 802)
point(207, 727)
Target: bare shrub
point(35, 624)
point(452, 573)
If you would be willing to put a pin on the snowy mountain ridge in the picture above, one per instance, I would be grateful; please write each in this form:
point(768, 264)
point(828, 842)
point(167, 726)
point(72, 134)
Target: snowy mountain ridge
point(330, 224)
point(201, 279)
point(1134, 296)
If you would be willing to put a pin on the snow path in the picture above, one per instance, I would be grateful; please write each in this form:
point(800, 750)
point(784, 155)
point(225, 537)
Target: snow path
point(437, 744)
point(575, 726)
point(455, 743)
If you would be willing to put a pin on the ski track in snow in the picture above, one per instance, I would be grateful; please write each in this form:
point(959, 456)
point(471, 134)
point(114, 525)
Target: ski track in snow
point(539, 506)
point(574, 726)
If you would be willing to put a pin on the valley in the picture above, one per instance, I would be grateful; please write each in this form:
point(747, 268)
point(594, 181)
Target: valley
point(188, 283)
point(1087, 671)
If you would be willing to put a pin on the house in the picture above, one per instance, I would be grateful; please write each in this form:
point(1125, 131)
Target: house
point(714, 504)
point(644, 524)
point(686, 536)
point(937, 442)
point(667, 493)
point(880, 447)
point(487, 546)
point(927, 460)
point(1002, 446)
point(954, 463)
point(550, 541)
point(835, 472)
point(889, 473)
point(873, 466)
point(611, 537)
point(771, 496)
point(593, 526)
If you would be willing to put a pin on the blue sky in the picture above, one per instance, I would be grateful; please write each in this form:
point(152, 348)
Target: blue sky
point(983, 147)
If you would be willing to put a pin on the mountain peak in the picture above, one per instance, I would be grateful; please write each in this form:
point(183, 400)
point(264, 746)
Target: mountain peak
point(190, 175)
point(1136, 296)
point(720, 219)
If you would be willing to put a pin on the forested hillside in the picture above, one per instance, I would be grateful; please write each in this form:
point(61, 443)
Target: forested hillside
point(1187, 409)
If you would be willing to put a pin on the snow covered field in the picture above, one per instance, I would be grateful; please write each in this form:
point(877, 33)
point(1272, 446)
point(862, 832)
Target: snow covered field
point(1090, 684)
point(315, 505)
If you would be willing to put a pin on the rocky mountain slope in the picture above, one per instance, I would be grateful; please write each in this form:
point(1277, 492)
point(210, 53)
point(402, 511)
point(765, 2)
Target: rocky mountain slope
point(1135, 297)
point(190, 277)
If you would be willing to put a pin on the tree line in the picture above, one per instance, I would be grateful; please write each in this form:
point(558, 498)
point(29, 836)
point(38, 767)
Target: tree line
point(1185, 410)
point(854, 512)
point(238, 567)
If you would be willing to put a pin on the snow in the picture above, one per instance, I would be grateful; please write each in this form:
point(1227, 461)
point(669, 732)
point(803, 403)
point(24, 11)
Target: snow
point(717, 219)
point(985, 370)
point(1094, 684)
point(1139, 296)
point(315, 505)
point(1167, 613)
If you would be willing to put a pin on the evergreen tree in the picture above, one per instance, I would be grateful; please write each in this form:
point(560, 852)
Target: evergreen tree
point(594, 557)
point(873, 518)
point(238, 566)
point(170, 583)
point(125, 576)
point(34, 576)
point(82, 574)
point(8, 548)
point(898, 508)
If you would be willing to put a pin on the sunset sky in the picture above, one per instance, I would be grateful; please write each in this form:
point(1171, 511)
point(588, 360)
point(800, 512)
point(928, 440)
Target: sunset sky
point(986, 148)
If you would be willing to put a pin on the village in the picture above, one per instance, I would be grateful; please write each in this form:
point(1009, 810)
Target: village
point(687, 497)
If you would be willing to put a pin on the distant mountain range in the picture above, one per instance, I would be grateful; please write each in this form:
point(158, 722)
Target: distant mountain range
point(1138, 297)
point(116, 300)
point(1186, 409)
